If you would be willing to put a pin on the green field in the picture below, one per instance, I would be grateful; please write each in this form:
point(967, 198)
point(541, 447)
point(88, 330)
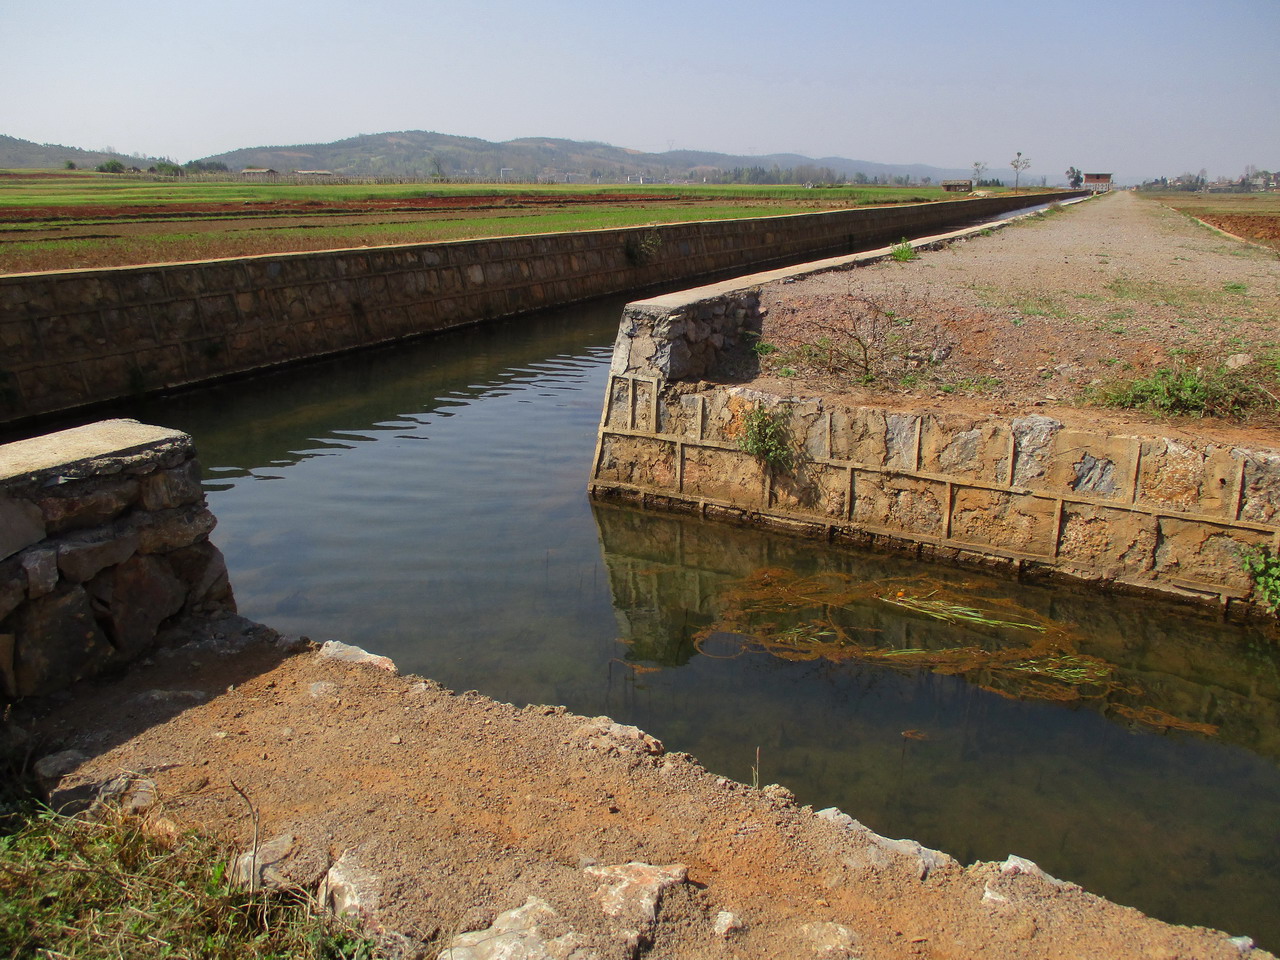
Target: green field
point(82, 188)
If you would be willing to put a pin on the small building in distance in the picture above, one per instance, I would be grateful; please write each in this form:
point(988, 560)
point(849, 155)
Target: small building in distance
point(313, 173)
point(957, 186)
point(1097, 182)
point(258, 172)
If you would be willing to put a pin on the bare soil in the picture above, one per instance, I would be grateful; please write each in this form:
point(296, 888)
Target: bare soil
point(1040, 314)
point(459, 808)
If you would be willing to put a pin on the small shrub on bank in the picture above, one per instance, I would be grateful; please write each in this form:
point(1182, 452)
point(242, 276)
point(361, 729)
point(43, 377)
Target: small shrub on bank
point(1185, 391)
point(1264, 566)
point(764, 436)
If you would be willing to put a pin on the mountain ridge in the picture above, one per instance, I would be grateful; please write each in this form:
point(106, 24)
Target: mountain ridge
point(426, 154)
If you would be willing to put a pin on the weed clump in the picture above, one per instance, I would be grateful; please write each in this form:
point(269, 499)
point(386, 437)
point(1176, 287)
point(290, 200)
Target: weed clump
point(79, 888)
point(902, 251)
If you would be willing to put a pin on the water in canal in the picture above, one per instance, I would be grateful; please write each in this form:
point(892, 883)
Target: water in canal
point(429, 502)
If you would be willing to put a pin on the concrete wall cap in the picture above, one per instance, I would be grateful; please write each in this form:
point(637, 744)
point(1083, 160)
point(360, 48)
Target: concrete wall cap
point(91, 450)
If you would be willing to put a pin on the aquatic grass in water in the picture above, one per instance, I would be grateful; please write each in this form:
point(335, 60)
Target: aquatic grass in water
point(833, 617)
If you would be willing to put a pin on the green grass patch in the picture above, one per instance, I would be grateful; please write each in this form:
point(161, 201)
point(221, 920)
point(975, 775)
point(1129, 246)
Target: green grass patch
point(73, 888)
point(1194, 392)
point(972, 385)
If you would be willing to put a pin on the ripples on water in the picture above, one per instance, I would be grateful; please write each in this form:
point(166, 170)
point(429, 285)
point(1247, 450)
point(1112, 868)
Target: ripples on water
point(428, 502)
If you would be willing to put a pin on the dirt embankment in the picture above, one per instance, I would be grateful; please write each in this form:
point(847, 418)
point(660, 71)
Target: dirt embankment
point(433, 814)
point(1037, 316)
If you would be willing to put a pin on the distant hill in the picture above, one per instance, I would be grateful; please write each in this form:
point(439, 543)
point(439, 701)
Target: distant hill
point(423, 154)
point(18, 154)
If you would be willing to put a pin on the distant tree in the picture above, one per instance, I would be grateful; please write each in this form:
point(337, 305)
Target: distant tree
point(1074, 178)
point(69, 165)
point(979, 168)
point(167, 168)
point(1019, 163)
point(111, 166)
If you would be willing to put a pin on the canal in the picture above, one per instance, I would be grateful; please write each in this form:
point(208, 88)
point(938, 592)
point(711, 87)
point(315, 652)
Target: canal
point(428, 502)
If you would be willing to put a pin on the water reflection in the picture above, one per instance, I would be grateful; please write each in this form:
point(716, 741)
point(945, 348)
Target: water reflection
point(1179, 824)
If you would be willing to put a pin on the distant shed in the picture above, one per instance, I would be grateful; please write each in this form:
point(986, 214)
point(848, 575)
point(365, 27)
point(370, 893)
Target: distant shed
point(957, 186)
point(258, 172)
point(1097, 182)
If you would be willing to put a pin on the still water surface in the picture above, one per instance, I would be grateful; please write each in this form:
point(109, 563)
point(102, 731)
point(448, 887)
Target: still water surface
point(428, 502)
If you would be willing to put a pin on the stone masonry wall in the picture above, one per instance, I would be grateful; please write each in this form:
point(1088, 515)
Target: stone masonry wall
point(1029, 493)
point(103, 541)
point(70, 338)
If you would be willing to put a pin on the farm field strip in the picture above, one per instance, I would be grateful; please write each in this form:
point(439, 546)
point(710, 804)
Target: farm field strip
point(59, 221)
point(1254, 216)
point(154, 242)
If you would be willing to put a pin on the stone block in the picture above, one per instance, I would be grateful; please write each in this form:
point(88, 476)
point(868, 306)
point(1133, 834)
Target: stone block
point(1107, 543)
point(905, 504)
point(723, 475)
point(813, 488)
point(858, 436)
point(168, 530)
point(85, 505)
point(139, 595)
point(57, 642)
point(13, 586)
point(965, 448)
point(203, 570)
point(1009, 521)
point(41, 567)
point(1033, 448)
point(1092, 464)
point(1260, 498)
point(1204, 553)
point(21, 525)
point(1174, 475)
point(83, 556)
point(175, 487)
point(639, 461)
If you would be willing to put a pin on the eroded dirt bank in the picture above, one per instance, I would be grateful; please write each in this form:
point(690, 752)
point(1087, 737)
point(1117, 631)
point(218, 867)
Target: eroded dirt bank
point(433, 813)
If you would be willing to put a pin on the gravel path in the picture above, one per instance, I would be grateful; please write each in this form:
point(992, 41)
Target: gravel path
point(1039, 312)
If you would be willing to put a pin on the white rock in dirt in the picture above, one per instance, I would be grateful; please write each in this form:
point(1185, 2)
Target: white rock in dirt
point(345, 652)
point(524, 933)
point(1238, 360)
point(132, 793)
point(601, 733)
point(349, 888)
point(726, 923)
point(830, 941)
point(265, 872)
point(927, 860)
point(57, 765)
point(629, 893)
point(1015, 865)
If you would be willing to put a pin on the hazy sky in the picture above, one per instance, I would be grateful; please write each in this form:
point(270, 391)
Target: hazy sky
point(1137, 87)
